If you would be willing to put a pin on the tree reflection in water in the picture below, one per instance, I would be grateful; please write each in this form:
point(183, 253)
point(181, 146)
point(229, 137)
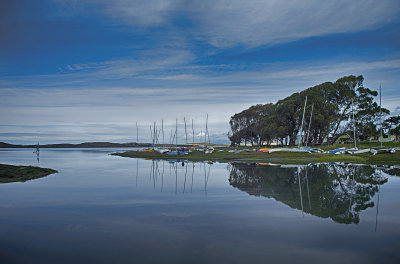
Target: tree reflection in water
point(338, 192)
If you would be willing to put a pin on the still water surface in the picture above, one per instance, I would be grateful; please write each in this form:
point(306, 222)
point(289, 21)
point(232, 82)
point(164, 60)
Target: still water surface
point(107, 209)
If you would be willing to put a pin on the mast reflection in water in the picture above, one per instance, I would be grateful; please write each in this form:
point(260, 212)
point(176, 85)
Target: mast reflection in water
point(338, 192)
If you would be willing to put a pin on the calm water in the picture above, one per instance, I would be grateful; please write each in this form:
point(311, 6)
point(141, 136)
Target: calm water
point(106, 209)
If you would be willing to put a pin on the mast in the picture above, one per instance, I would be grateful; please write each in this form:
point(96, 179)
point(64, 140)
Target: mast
point(176, 132)
point(302, 121)
point(192, 131)
point(151, 133)
point(162, 129)
point(354, 124)
point(154, 134)
point(205, 136)
point(301, 196)
point(309, 124)
point(380, 112)
point(137, 134)
point(184, 120)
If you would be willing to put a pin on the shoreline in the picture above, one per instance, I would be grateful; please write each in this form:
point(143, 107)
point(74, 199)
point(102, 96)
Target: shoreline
point(12, 173)
point(276, 157)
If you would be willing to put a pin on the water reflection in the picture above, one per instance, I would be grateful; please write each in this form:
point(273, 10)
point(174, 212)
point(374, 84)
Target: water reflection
point(182, 172)
point(338, 192)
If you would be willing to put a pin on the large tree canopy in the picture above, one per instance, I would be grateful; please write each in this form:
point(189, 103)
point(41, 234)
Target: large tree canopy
point(332, 105)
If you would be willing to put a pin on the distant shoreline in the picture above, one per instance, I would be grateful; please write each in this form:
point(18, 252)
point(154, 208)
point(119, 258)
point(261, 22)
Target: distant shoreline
point(96, 145)
point(80, 145)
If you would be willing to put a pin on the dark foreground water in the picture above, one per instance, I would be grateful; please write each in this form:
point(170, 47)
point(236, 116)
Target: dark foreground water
point(105, 209)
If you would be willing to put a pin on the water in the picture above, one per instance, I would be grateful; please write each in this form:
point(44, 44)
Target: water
point(106, 209)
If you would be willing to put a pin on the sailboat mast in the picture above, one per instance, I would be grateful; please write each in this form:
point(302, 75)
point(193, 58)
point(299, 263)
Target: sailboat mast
point(380, 111)
point(137, 134)
point(309, 124)
point(205, 136)
point(162, 129)
point(176, 132)
point(354, 124)
point(154, 134)
point(151, 133)
point(192, 131)
point(184, 120)
point(302, 121)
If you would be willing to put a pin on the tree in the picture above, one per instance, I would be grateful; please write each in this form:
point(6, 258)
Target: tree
point(368, 113)
point(392, 124)
point(333, 103)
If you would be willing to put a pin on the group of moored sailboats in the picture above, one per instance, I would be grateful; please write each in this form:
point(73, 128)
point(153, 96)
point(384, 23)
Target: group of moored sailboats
point(163, 149)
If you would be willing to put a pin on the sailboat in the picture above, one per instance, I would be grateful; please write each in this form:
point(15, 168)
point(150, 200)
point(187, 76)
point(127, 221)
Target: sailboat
point(37, 151)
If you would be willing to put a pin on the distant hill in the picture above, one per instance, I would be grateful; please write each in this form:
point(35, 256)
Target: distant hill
point(81, 145)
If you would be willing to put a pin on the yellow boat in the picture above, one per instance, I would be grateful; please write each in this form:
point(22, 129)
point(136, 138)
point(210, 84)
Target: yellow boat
point(264, 150)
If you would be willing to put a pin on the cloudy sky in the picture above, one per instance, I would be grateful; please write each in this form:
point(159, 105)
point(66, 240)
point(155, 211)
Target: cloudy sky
point(88, 70)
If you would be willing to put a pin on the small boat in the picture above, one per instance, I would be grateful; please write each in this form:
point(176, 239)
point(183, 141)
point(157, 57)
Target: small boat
point(302, 150)
point(177, 152)
point(274, 150)
point(314, 150)
point(161, 151)
point(383, 150)
point(209, 150)
point(264, 150)
point(358, 151)
point(337, 151)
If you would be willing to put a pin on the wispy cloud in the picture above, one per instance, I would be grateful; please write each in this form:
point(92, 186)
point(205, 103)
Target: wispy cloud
point(251, 23)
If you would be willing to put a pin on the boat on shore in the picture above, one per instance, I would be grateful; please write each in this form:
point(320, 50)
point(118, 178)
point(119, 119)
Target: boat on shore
point(358, 151)
point(383, 150)
point(336, 151)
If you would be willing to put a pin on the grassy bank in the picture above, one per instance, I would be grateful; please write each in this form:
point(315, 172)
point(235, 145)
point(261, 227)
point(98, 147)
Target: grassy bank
point(11, 173)
point(275, 157)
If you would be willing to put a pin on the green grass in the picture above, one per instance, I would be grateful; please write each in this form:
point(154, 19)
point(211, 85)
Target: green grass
point(11, 173)
point(361, 145)
point(275, 157)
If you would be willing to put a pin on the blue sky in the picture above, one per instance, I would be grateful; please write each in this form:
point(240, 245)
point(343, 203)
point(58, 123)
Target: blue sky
point(74, 71)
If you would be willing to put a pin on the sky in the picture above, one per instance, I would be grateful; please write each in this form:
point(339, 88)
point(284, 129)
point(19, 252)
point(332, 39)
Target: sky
point(88, 70)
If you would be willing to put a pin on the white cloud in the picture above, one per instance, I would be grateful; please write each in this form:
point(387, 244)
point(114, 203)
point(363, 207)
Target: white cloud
point(396, 111)
point(251, 23)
